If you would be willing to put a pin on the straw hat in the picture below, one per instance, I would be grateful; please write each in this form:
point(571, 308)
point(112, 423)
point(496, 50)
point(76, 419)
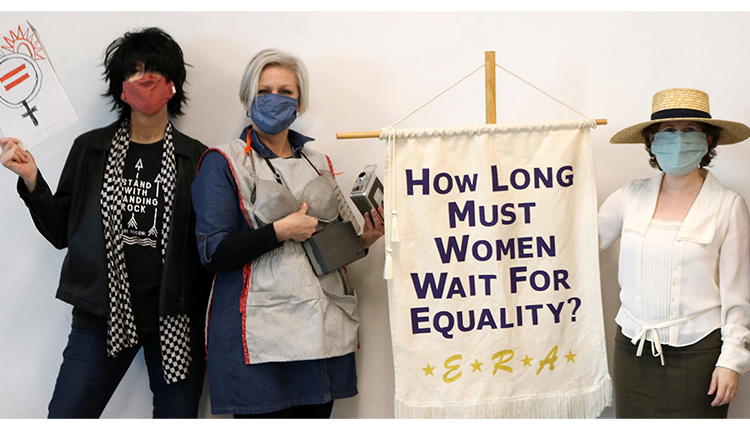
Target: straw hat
point(682, 104)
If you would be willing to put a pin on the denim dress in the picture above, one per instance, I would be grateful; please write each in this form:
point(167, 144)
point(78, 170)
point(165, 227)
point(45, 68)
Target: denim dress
point(238, 383)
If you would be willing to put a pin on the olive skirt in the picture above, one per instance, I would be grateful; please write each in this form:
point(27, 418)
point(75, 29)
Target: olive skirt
point(679, 389)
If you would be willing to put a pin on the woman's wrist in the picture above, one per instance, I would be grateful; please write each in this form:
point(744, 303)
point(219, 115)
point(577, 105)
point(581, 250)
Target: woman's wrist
point(30, 182)
point(280, 230)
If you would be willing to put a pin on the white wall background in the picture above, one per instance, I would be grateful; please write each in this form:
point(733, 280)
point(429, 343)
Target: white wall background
point(368, 70)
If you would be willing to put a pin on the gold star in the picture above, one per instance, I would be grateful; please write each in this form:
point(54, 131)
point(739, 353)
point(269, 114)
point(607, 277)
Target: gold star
point(571, 356)
point(428, 370)
point(477, 365)
point(526, 361)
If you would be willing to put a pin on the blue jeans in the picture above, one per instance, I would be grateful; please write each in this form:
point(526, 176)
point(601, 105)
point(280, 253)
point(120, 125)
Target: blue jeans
point(88, 377)
point(312, 411)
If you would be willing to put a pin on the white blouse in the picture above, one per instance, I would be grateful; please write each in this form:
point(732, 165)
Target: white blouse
point(708, 286)
point(656, 274)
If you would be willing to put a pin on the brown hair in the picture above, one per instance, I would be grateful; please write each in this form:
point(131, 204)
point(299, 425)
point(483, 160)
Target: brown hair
point(714, 132)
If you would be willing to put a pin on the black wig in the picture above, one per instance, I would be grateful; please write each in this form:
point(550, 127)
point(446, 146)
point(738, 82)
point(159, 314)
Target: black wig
point(158, 52)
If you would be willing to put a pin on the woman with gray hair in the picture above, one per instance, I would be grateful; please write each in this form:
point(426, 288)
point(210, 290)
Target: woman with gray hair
point(281, 335)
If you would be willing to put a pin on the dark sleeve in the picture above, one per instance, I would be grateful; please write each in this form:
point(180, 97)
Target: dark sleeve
point(235, 251)
point(223, 241)
point(50, 212)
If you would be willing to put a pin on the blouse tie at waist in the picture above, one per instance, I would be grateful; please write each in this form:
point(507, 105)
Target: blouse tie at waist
point(642, 333)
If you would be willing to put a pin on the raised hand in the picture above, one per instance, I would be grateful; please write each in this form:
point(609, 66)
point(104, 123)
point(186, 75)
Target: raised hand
point(18, 160)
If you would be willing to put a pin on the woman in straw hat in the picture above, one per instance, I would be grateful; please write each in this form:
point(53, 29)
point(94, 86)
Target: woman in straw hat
point(684, 267)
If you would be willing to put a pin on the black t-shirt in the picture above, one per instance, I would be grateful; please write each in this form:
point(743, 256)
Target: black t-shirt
point(142, 222)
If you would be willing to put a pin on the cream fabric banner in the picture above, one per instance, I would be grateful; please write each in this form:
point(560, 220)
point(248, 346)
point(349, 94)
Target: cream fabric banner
point(493, 268)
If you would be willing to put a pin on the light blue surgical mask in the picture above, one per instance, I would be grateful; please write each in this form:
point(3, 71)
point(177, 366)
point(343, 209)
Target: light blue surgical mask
point(273, 113)
point(679, 153)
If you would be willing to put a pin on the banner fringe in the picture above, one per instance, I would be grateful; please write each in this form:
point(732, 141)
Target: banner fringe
point(587, 404)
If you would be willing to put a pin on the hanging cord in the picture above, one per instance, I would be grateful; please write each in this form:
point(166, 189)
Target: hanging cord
point(393, 235)
point(392, 226)
point(535, 87)
point(436, 96)
point(593, 125)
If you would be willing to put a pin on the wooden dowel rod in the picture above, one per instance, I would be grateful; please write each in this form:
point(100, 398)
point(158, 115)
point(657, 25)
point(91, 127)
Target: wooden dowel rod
point(376, 134)
point(353, 135)
point(489, 88)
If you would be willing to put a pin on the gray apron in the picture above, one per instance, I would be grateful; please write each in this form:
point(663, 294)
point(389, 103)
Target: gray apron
point(292, 314)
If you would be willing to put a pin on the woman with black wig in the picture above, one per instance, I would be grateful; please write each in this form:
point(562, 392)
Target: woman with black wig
point(123, 210)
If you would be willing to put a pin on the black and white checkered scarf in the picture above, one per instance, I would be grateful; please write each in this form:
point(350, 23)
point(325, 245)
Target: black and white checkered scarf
point(174, 330)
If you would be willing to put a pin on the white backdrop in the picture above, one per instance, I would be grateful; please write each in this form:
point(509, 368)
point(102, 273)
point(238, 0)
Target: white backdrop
point(367, 71)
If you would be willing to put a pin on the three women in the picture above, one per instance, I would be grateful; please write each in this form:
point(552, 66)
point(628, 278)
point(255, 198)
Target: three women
point(683, 259)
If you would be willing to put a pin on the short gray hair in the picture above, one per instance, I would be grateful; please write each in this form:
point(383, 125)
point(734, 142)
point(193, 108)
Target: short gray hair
point(273, 56)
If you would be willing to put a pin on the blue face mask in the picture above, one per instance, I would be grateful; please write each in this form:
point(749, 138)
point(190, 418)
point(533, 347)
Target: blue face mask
point(679, 153)
point(273, 113)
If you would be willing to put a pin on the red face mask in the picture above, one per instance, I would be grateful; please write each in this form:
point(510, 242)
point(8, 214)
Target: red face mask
point(148, 94)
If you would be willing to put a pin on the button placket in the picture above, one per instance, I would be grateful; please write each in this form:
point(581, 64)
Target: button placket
point(675, 290)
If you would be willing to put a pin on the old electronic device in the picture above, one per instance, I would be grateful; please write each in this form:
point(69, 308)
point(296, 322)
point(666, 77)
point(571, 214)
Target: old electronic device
point(367, 192)
point(332, 247)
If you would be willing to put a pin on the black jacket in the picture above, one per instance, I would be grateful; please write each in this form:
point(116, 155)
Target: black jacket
point(72, 218)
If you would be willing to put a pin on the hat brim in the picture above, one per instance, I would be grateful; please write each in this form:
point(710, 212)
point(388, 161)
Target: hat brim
point(731, 132)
